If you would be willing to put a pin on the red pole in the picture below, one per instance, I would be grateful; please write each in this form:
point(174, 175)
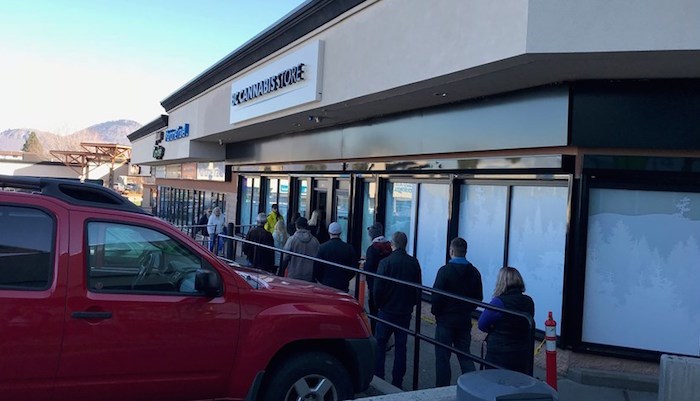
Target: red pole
point(361, 293)
point(550, 336)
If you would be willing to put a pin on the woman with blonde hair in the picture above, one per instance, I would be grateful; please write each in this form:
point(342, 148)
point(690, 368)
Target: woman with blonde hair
point(317, 226)
point(508, 337)
point(280, 236)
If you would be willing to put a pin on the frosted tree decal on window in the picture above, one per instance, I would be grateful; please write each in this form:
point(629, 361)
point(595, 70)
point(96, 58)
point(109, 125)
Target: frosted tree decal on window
point(642, 270)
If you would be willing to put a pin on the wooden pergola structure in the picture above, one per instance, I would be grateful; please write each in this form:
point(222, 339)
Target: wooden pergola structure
point(95, 155)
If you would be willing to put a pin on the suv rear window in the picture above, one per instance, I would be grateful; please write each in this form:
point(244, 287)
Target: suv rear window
point(26, 243)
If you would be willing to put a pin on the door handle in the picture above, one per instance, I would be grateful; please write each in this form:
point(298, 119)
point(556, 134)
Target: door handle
point(91, 315)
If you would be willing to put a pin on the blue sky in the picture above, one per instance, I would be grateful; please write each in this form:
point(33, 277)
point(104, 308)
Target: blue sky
point(69, 64)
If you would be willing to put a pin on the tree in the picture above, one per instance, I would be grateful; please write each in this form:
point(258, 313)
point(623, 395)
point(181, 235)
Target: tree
point(32, 144)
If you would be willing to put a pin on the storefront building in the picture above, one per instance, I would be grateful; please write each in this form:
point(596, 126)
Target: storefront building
point(558, 137)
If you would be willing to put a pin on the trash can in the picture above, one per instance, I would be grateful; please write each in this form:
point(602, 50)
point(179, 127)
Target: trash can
point(502, 385)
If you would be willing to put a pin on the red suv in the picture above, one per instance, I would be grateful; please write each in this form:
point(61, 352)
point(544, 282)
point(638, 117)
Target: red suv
point(99, 300)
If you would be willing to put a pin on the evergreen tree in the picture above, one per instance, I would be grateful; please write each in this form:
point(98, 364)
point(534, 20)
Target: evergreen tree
point(32, 144)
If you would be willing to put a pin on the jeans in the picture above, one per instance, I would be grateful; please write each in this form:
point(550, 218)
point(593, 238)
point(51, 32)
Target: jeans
point(216, 244)
point(459, 338)
point(385, 331)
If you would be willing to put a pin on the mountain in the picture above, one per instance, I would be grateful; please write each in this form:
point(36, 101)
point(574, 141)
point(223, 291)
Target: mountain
point(106, 132)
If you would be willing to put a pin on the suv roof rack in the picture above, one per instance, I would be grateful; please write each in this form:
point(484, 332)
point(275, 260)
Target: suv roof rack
point(72, 191)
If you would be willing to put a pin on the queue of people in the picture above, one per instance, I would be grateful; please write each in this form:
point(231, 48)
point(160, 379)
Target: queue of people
point(393, 302)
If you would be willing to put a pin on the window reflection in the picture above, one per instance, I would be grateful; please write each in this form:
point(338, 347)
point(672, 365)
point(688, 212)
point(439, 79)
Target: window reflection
point(368, 210)
point(401, 210)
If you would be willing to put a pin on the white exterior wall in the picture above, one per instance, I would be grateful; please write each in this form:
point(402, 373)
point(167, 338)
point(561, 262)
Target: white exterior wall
point(142, 149)
point(59, 171)
point(385, 46)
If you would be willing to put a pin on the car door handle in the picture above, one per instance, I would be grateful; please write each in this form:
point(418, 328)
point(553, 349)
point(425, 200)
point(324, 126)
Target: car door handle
point(91, 315)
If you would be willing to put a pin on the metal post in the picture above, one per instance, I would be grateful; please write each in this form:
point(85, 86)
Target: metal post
point(230, 253)
point(416, 341)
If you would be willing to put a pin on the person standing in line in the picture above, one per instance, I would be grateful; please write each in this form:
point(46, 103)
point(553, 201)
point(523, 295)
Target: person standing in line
point(291, 223)
point(507, 339)
point(337, 251)
point(215, 227)
point(396, 302)
point(317, 226)
point(378, 250)
point(202, 225)
point(280, 237)
point(203, 221)
point(304, 243)
point(259, 257)
point(272, 219)
point(454, 317)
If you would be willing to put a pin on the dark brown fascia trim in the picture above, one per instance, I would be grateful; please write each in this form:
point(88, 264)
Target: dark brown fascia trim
point(158, 123)
point(304, 19)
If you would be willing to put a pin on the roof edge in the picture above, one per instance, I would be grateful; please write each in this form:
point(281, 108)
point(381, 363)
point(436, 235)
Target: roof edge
point(158, 123)
point(295, 25)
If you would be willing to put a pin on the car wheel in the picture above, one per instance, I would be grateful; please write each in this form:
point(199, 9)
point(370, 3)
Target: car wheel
point(313, 376)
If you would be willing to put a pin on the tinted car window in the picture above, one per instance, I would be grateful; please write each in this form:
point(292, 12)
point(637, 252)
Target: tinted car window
point(126, 258)
point(26, 244)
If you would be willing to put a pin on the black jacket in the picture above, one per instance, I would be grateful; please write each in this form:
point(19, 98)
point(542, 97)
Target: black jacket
point(458, 279)
point(375, 253)
point(393, 297)
point(203, 221)
point(320, 232)
point(260, 257)
point(509, 333)
point(337, 251)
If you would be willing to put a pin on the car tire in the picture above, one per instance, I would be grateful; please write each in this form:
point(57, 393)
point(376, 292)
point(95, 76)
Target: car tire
point(314, 376)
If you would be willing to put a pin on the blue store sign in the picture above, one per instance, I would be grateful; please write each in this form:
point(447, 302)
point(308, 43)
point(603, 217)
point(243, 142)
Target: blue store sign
point(180, 132)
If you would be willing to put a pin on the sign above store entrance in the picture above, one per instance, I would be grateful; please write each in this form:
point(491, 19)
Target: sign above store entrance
point(280, 81)
point(290, 81)
point(177, 133)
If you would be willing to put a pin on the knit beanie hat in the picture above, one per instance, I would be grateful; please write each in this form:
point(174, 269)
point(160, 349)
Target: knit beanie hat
point(375, 230)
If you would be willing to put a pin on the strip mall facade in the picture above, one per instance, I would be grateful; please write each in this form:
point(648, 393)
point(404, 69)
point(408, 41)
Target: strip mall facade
point(558, 137)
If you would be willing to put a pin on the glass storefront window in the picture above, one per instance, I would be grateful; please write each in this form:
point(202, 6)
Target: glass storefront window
point(303, 197)
point(482, 223)
point(250, 202)
point(537, 241)
point(537, 235)
point(401, 208)
point(368, 210)
point(183, 207)
point(283, 200)
point(272, 193)
point(342, 206)
point(642, 270)
point(431, 241)
point(278, 192)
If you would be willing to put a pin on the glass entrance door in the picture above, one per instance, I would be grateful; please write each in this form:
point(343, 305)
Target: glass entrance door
point(320, 198)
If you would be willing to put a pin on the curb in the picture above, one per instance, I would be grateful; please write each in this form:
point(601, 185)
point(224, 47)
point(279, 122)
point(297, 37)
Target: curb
point(627, 381)
point(383, 387)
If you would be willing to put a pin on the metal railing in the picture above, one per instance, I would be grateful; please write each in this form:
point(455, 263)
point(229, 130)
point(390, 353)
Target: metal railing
point(231, 254)
point(238, 231)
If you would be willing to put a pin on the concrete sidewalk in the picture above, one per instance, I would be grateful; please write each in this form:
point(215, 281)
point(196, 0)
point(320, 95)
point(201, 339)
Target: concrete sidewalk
point(614, 382)
point(568, 390)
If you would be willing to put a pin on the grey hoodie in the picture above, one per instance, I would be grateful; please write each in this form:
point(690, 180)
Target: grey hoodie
point(301, 242)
